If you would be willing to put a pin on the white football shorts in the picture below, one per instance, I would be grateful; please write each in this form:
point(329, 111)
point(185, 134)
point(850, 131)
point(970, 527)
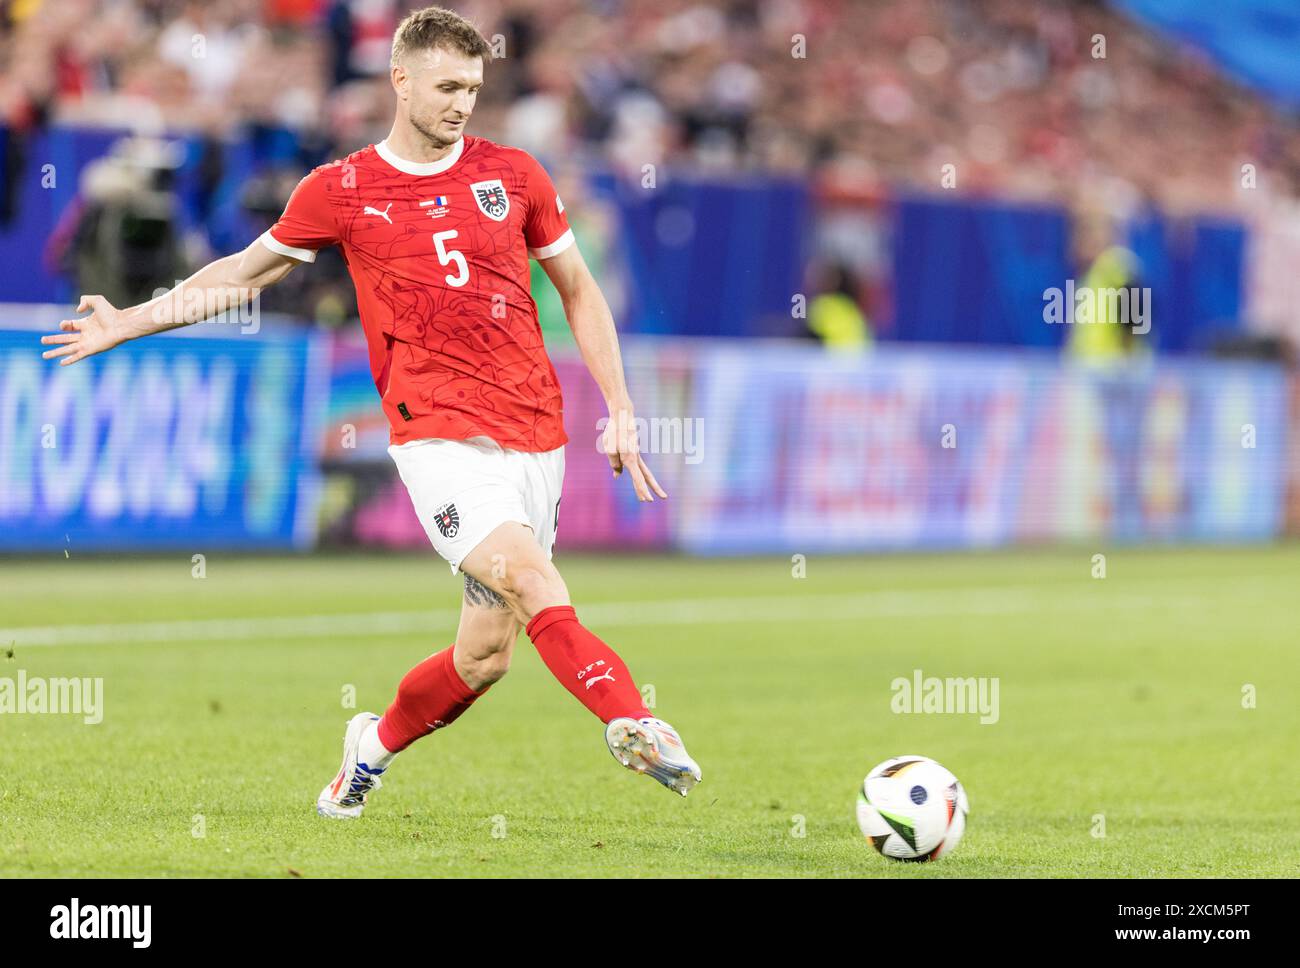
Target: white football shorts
point(462, 490)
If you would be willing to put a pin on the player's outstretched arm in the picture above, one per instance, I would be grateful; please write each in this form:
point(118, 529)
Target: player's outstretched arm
point(218, 286)
point(593, 330)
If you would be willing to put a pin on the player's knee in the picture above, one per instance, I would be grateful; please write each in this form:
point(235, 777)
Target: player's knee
point(487, 669)
point(529, 590)
point(484, 644)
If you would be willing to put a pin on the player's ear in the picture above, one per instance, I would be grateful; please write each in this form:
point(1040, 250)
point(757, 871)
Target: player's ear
point(401, 80)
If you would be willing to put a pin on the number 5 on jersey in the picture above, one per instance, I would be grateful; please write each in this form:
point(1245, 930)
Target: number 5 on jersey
point(451, 257)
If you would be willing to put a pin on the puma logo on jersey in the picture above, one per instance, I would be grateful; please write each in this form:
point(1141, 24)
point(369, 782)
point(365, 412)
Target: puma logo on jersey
point(383, 215)
point(608, 675)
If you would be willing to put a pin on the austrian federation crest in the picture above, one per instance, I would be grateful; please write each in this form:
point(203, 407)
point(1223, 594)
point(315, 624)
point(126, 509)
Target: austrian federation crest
point(492, 199)
point(448, 520)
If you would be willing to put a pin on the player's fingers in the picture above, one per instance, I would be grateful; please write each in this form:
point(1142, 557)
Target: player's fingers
point(650, 478)
point(629, 448)
point(56, 353)
point(615, 463)
point(85, 303)
point(78, 355)
point(70, 325)
point(60, 338)
point(633, 463)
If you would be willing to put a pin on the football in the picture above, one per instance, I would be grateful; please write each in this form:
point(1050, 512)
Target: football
point(911, 808)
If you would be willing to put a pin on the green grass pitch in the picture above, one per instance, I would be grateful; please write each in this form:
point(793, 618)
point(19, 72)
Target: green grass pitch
point(1119, 697)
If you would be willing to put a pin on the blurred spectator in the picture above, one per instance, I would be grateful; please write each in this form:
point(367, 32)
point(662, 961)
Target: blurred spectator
point(835, 314)
point(1106, 316)
point(120, 236)
point(1010, 93)
point(593, 224)
point(326, 295)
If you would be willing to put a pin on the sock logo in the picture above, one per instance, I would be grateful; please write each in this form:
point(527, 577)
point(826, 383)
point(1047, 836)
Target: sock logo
point(448, 520)
point(607, 674)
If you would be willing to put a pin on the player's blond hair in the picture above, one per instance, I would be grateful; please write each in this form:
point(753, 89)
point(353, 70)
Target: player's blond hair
point(437, 27)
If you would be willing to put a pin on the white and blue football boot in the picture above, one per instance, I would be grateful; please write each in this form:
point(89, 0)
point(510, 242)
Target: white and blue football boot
point(345, 796)
point(652, 747)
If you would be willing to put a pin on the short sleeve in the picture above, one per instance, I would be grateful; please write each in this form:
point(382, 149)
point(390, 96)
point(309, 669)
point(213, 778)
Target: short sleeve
point(307, 223)
point(546, 228)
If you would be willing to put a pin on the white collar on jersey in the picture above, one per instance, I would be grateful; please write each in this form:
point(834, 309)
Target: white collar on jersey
point(421, 168)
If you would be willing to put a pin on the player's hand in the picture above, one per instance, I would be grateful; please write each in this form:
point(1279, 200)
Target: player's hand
point(624, 453)
point(100, 331)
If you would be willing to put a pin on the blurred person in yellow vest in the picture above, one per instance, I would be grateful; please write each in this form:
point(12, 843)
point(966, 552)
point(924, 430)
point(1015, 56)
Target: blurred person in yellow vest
point(835, 316)
point(594, 223)
point(1110, 310)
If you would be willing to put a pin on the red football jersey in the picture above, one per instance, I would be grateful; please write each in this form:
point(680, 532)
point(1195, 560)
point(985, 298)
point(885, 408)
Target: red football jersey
point(438, 253)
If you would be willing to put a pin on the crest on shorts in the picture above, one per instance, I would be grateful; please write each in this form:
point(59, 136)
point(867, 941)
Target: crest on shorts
point(448, 520)
point(492, 198)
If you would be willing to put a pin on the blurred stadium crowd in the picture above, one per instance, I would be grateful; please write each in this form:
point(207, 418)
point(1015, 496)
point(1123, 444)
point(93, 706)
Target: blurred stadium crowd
point(1009, 92)
point(802, 149)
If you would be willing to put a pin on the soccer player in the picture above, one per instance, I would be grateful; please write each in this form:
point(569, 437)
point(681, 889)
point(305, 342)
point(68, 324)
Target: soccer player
point(437, 227)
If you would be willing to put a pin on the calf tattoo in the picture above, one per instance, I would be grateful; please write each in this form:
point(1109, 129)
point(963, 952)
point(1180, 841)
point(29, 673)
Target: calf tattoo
point(476, 593)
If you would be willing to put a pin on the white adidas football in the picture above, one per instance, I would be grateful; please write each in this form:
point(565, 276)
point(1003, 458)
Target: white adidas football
point(911, 808)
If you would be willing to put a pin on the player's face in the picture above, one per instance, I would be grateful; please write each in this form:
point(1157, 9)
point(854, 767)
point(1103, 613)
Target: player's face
point(439, 88)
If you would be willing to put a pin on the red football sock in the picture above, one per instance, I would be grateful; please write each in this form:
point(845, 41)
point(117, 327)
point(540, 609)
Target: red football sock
point(585, 665)
point(429, 697)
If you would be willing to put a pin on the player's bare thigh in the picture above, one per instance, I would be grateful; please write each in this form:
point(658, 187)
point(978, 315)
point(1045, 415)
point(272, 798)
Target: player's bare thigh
point(511, 563)
point(485, 638)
